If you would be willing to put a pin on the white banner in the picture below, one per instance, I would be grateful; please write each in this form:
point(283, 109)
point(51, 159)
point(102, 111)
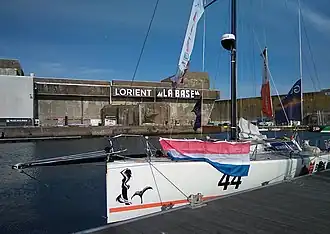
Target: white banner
point(188, 44)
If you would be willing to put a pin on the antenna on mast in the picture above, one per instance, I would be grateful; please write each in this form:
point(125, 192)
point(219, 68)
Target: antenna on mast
point(228, 42)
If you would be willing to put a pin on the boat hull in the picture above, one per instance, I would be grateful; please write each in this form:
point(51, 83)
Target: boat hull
point(139, 188)
point(209, 129)
point(322, 129)
point(325, 129)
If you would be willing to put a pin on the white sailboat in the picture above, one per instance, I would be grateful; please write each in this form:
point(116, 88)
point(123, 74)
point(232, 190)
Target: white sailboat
point(193, 170)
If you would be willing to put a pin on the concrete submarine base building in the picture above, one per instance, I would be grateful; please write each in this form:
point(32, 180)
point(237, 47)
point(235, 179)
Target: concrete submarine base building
point(31, 100)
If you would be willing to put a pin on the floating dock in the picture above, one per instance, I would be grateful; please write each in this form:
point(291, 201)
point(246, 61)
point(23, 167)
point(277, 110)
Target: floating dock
point(29, 139)
point(300, 205)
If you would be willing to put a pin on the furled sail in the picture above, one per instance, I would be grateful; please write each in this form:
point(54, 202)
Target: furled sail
point(189, 40)
point(230, 158)
point(267, 104)
point(291, 109)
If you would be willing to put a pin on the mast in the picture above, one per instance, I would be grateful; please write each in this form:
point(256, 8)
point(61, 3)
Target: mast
point(203, 67)
point(233, 74)
point(228, 42)
point(300, 64)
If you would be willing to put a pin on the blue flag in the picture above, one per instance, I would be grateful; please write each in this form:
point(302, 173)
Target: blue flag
point(292, 105)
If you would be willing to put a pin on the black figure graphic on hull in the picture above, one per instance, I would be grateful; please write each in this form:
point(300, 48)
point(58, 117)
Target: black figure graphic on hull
point(123, 197)
point(140, 193)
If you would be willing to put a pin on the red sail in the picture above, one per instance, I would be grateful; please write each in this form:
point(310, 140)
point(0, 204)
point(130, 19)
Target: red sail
point(267, 104)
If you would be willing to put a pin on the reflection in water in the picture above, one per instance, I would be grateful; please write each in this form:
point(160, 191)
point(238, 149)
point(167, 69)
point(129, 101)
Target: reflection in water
point(75, 197)
point(17, 191)
point(73, 200)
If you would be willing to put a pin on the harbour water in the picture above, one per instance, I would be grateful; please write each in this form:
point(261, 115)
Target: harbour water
point(61, 199)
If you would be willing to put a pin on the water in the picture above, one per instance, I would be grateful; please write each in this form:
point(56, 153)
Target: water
point(65, 199)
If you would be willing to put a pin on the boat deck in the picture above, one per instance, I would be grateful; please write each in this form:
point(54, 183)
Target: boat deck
point(271, 155)
point(301, 205)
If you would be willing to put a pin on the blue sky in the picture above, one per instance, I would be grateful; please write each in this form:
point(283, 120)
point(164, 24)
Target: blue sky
point(102, 39)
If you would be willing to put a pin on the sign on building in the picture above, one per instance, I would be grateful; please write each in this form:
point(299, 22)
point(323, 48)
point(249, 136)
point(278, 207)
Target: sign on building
point(177, 93)
point(152, 92)
point(133, 92)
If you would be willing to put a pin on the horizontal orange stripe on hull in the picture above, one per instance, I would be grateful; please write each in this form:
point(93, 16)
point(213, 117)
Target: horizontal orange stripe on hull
point(152, 205)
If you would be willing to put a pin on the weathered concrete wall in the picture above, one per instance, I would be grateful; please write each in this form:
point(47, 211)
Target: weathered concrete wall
point(92, 108)
point(10, 67)
point(199, 80)
point(181, 113)
point(250, 108)
point(92, 131)
point(192, 80)
point(157, 113)
point(126, 115)
point(53, 112)
point(57, 98)
point(8, 71)
point(62, 87)
point(154, 113)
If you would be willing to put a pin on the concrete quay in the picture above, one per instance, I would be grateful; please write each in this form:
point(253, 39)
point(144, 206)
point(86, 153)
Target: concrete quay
point(13, 134)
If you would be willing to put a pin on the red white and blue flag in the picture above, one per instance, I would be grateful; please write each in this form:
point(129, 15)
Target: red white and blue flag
point(230, 158)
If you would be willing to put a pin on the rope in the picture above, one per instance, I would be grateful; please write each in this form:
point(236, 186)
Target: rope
point(143, 45)
point(34, 178)
point(67, 197)
point(263, 19)
point(271, 78)
point(170, 181)
point(311, 53)
point(303, 53)
point(154, 177)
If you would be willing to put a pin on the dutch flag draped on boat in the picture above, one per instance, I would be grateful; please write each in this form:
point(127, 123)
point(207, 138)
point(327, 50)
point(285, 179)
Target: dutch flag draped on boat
point(230, 158)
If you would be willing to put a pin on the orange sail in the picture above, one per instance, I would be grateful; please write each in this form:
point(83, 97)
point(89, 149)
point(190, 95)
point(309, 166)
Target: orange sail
point(267, 104)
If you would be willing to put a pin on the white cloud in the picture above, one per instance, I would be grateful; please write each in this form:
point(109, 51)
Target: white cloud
point(319, 20)
point(55, 69)
point(106, 14)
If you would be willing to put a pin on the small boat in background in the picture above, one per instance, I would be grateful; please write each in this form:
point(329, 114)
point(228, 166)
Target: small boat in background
point(325, 129)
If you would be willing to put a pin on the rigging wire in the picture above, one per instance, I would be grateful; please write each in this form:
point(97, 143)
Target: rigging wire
point(144, 43)
point(215, 79)
point(271, 78)
point(169, 180)
point(263, 19)
point(310, 52)
point(203, 68)
point(303, 53)
point(64, 196)
point(311, 55)
point(155, 181)
point(254, 65)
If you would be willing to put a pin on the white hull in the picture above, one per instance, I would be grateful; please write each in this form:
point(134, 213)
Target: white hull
point(190, 178)
point(275, 129)
point(263, 129)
